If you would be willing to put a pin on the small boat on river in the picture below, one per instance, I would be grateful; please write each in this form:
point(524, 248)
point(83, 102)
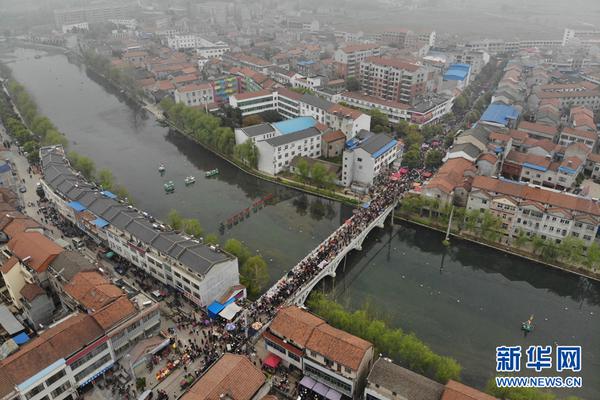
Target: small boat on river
point(189, 180)
point(527, 326)
point(212, 172)
point(169, 187)
point(162, 169)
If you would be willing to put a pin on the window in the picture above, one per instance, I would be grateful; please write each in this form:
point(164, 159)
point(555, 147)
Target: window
point(59, 390)
point(55, 377)
point(38, 389)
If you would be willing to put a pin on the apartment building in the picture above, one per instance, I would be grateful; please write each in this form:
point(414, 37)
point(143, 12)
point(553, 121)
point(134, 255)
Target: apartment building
point(571, 135)
point(366, 156)
point(95, 13)
point(583, 93)
point(394, 110)
point(347, 59)
point(195, 94)
point(393, 79)
point(580, 36)
point(328, 355)
point(547, 213)
point(201, 273)
point(204, 48)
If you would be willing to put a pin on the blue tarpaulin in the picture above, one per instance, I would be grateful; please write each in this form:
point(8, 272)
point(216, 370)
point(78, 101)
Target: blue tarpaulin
point(100, 223)
point(295, 125)
point(499, 114)
point(108, 194)
point(21, 338)
point(77, 206)
point(4, 168)
point(215, 307)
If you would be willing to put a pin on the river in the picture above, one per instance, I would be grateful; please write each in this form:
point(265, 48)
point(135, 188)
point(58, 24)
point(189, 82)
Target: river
point(462, 301)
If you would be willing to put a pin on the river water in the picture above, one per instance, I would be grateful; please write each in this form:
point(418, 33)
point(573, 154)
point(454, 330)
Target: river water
point(462, 301)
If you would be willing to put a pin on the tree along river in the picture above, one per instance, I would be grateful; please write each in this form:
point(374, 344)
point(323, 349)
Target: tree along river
point(462, 301)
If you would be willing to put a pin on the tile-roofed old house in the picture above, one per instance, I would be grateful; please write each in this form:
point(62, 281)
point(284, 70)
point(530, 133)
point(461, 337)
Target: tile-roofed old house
point(31, 290)
point(392, 380)
point(338, 345)
point(295, 325)
point(451, 175)
point(92, 290)
point(111, 314)
point(458, 391)
point(57, 342)
point(233, 376)
point(34, 249)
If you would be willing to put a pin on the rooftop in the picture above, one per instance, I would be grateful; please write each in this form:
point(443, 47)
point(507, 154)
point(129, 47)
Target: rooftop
point(457, 391)
point(339, 346)
point(232, 376)
point(403, 382)
point(34, 249)
point(295, 324)
point(500, 114)
point(394, 63)
point(92, 290)
point(292, 137)
point(257, 130)
point(294, 125)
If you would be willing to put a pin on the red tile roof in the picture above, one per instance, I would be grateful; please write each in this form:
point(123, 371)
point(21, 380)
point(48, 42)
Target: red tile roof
point(451, 175)
point(544, 196)
point(295, 325)
point(193, 87)
point(31, 290)
point(376, 100)
point(458, 391)
point(580, 133)
point(537, 127)
point(333, 136)
point(352, 48)
point(37, 248)
point(251, 95)
point(92, 290)
point(8, 265)
point(115, 312)
point(233, 376)
point(339, 346)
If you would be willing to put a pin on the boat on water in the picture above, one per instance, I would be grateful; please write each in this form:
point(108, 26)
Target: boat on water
point(189, 180)
point(212, 172)
point(162, 169)
point(169, 187)
point(527, 326)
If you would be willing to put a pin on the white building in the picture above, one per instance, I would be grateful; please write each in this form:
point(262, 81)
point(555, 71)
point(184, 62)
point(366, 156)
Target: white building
point(280, 142)
point(203, 47)
point(201, 273)
point(367, 156)
point(291, 104)
point(210, 50)
point(195, 94)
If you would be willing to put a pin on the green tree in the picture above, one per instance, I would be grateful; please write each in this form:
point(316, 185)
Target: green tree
point(121, 192)
point(192, 227)
point(83, 164)
point(593, 256)
point(254, 274)
point(106, 179)
point(247, 152)
point(319, 175)
point(521, 239)
point(412, 158)
point(571, 249)
point(211, 239)
point(41, 125)
point(352, 84)
point(460, 104)
point(379, 121)
point(303, 169)
point(54, 137)
point(238, 249)
point(175, 220)
point(433, 158)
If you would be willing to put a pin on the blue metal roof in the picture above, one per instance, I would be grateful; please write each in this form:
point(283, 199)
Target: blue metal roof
point(77, 206)
point(567, 170)
point(500, 114)
point(100, 223)
point(385, 148)
point(21, 338)
point(536, 167)
point(305, 62)
point(457, 72)
point(295, 125)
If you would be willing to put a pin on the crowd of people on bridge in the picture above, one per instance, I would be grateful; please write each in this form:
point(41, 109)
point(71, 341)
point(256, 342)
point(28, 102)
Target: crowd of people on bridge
point(383, 194)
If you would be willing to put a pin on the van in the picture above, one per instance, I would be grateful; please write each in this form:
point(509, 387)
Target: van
point(78, 243)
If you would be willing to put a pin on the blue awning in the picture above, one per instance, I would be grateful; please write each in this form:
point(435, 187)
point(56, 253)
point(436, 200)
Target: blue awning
point(536, 167)
point(108, 194)
point(100, 223)
point(96, 375)
point(21, 338)
point(77, 206)
point(214, 309)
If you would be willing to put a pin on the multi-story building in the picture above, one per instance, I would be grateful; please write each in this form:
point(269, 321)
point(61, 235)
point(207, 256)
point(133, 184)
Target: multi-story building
point(348, 58)
point(195, 94)
point(201, 273)
point(571, 135)
point(548, 213)
point(393, 79)
point(95, 14)
point(278, 143)
point(204, 48)
point(366, 156)
point(580, 36)
point(212, 50)
point(291, 105)
point(394, 110)
point(583, 93)
point(328, 355)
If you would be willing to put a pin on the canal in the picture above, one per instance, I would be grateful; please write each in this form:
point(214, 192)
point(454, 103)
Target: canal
point(462, 301)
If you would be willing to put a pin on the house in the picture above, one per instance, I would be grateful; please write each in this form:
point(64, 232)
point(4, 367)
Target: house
point(366, 156)
point(572, 135)
point(334, 358)
point(389, 381)
point(332, 144)
point(548, 213)
point(276, 153)
point(458, 391)
point(232, 376)
point(37, 305)
point(194, 94)
point(452, 182)
point(500, 115)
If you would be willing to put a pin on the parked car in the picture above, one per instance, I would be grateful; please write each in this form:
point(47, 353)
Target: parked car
point(22, 189)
